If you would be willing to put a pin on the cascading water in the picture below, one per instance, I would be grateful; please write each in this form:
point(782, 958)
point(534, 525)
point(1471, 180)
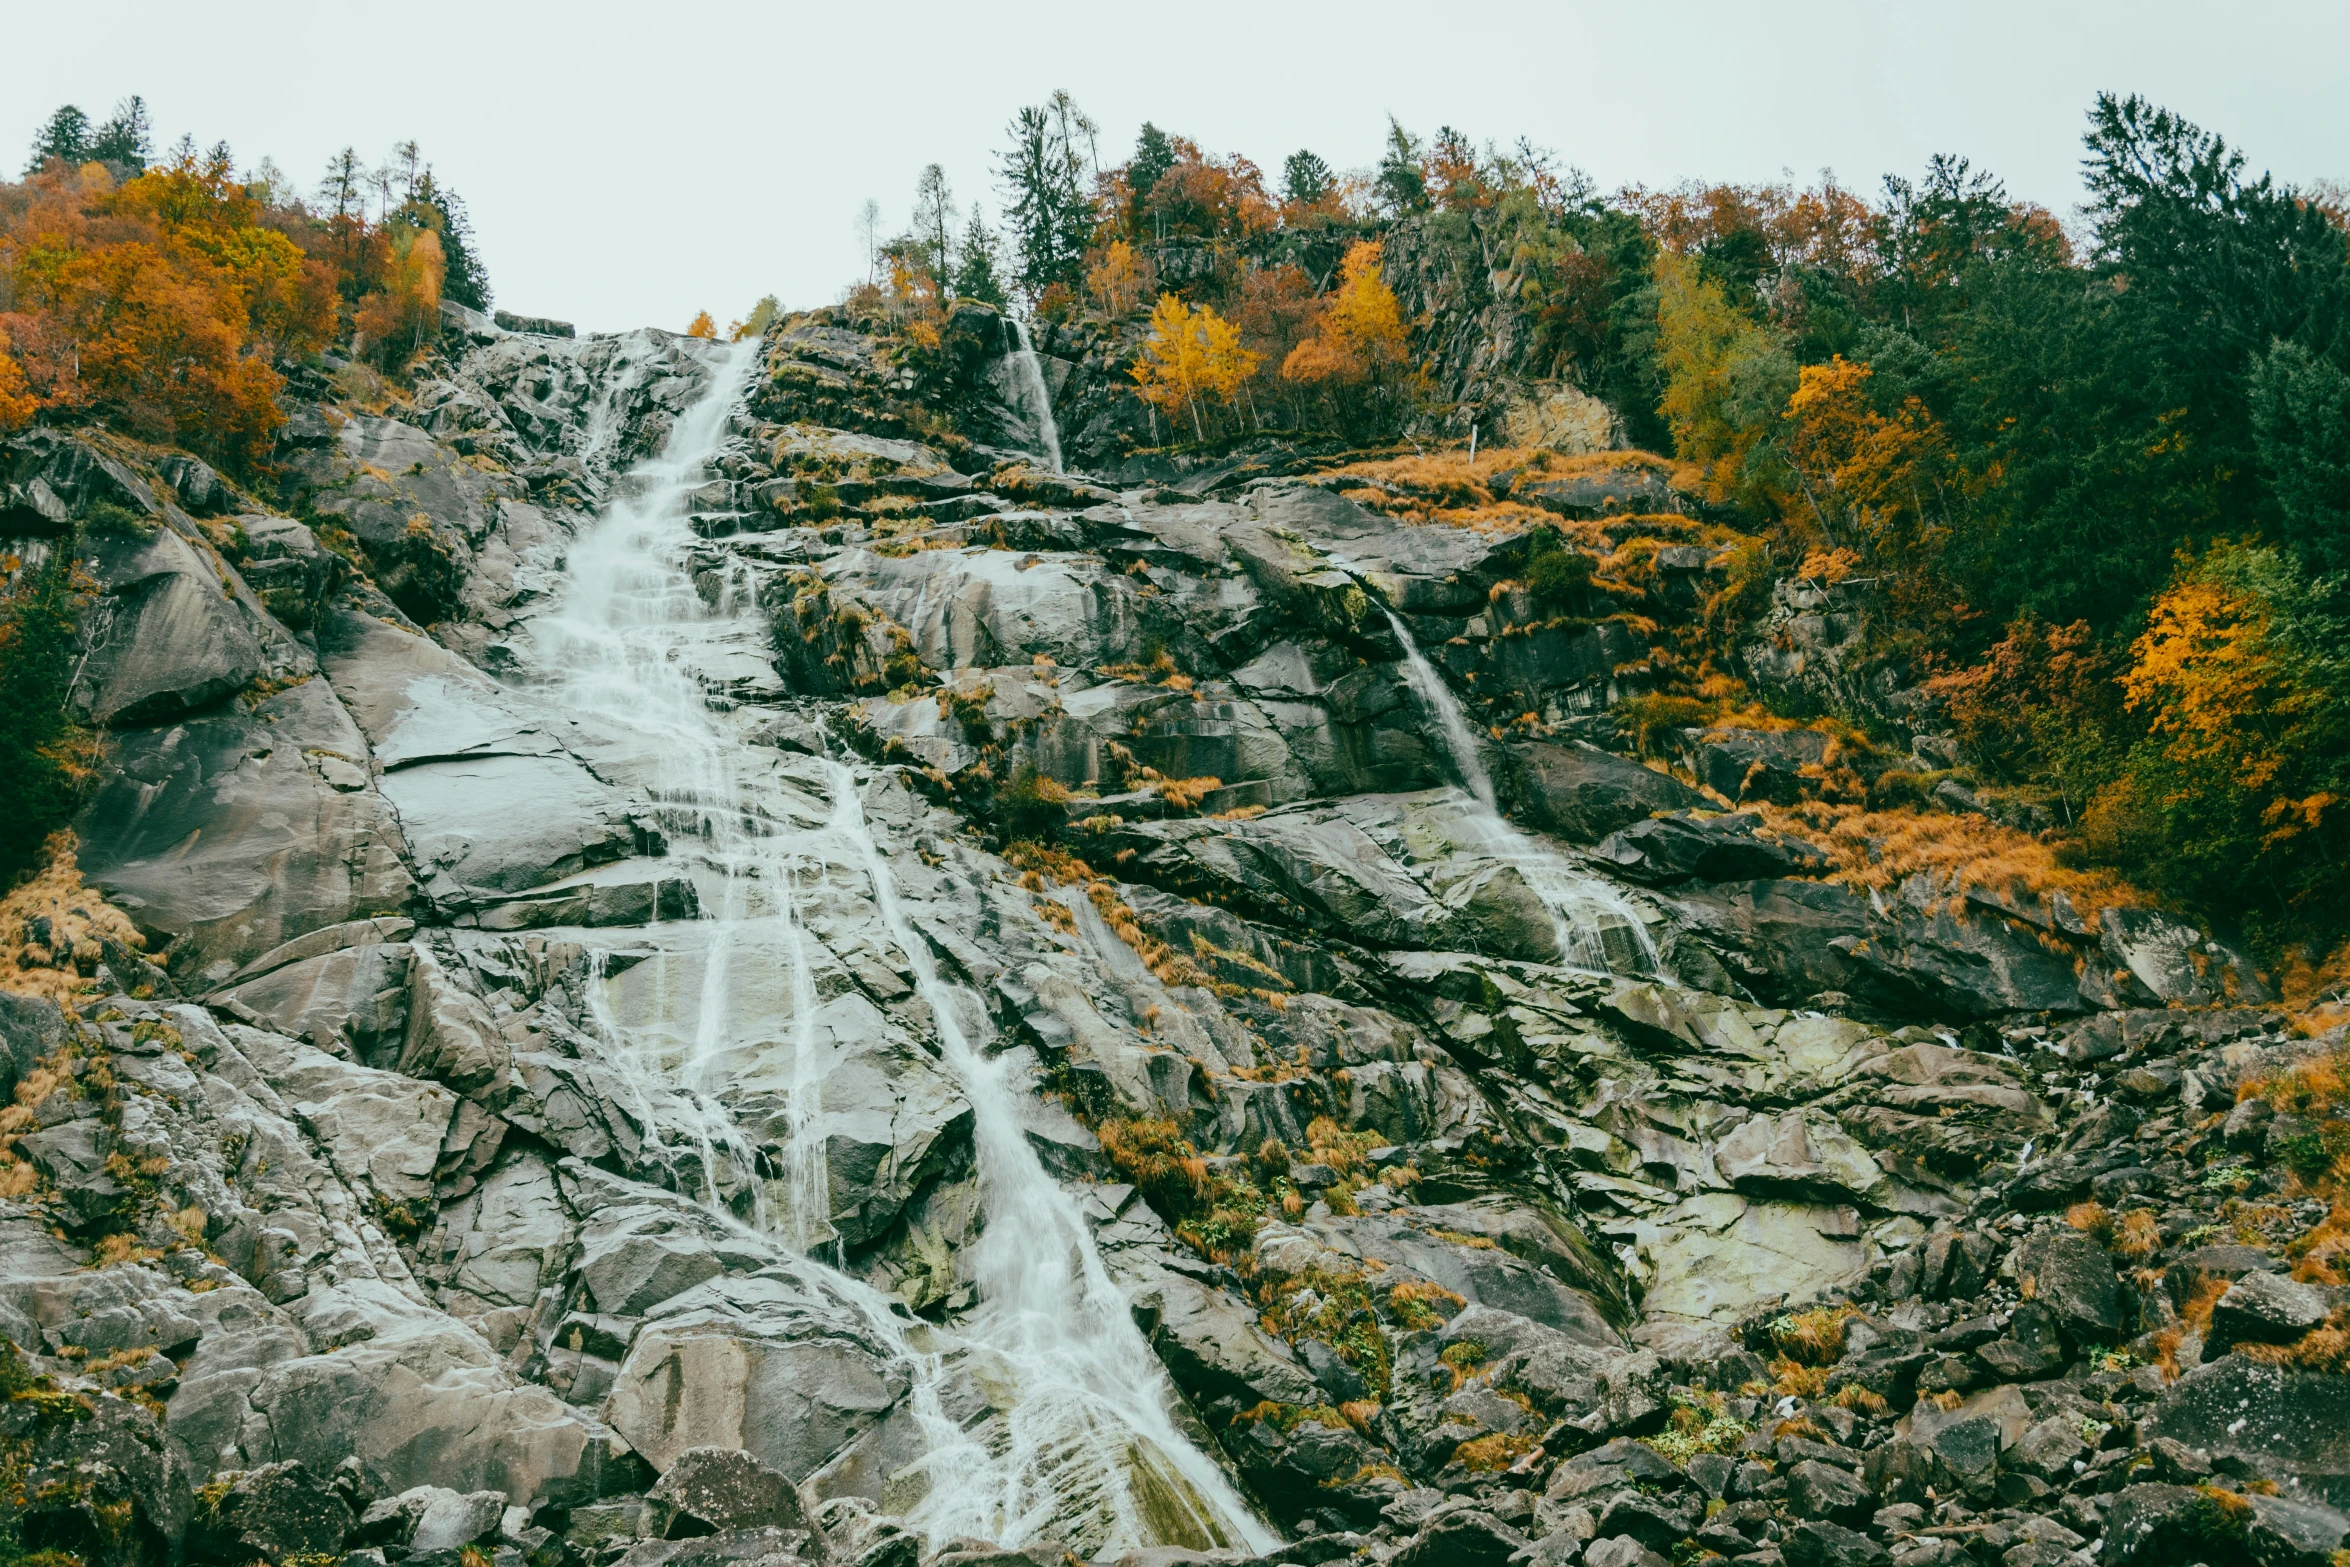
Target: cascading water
point(1584, 912)
point(1036, 399)
point(1088, 1409)
point(1083, 1437)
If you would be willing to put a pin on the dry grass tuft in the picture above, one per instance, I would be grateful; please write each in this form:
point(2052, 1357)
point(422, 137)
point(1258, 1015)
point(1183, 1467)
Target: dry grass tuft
point(52, 927)
point(1963, 852)
point(1812, 1338)
point(2325, 1347)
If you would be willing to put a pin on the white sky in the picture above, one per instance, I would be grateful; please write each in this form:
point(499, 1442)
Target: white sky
point(629, 163)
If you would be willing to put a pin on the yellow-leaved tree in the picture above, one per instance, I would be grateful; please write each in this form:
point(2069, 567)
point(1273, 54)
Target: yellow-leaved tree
point(1120, 280)
point(1194, 356)
point(1360, 356)
point(1727, 377)
point(702, 325)
point(1873, 482)
point(2235, 796)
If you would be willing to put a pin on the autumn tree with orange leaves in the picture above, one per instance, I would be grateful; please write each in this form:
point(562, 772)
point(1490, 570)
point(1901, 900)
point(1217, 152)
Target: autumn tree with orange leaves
point(2242, 782)
point(162, 304)
point(1359, 359)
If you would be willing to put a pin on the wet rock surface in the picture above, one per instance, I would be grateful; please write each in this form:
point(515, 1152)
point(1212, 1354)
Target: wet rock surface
point(556, 1153)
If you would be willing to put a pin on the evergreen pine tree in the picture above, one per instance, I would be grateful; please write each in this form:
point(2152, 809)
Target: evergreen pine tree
point(1051, 211)
point(975, 273)
point(1402, 184)
point(126, 139)
point(1305, 178)
point(464, 279)
point(1154, 155)
point(65, 135)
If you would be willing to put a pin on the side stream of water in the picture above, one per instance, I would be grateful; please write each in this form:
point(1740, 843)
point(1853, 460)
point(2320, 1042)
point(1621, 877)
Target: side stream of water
point(1594, 926)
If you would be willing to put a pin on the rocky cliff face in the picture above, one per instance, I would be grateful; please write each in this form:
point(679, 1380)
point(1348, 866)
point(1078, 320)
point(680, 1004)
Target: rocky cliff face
point(1011, 1001)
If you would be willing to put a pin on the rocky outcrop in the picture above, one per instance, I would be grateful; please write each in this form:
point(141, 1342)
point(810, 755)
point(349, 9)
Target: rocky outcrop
point(567, 1145)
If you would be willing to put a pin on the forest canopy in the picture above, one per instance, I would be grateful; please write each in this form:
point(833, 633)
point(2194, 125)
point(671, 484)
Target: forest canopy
point(2091, 479)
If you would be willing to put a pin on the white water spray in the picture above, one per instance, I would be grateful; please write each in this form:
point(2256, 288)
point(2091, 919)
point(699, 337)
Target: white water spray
point(1088, 1409)
point(1083, 1437)
point(1583, 910)
point(1036, 399)
point(626, 652)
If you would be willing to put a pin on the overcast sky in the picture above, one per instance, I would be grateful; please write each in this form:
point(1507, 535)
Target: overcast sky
point(630, 163)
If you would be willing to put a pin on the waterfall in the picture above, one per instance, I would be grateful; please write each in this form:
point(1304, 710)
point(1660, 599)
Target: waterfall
point(1036, 399)
point(1089, 1402)
point(1583, 909)
point(1460, 742)
point(1083, 1432)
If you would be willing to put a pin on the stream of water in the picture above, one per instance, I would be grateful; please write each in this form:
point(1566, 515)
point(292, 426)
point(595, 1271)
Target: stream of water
point(1594, 926)
point(1036, 397)
point(1084, 1442)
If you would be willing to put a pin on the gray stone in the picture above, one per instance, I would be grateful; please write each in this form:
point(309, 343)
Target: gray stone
point(2072, 1276)
point(2285, 1423)
point(1461, 1539)
point(1665, 850)
point(273, 1512)
point(2288, 1533)
point(708, 1490)
point(166, 638)
point(1817, 1490)
point(449, 1521)
point(2264, 1308)
point(1582, 793)
point(227, 835)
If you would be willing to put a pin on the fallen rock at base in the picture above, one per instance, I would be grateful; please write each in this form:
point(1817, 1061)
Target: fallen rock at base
point(2264, 1308)
point(2290, 1424)
point(274, 1512)
point(709, 1490)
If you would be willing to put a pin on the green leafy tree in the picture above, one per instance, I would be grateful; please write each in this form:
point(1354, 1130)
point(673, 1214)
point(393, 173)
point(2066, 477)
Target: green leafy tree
point(42, 761)
point(2215, 266)
point(932, 236)
point(64, 135)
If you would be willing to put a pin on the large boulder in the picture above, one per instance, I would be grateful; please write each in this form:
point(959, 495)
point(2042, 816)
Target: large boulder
point(167, 637)
point(272, 1513)
point(1582, 793)
point(765, 1363)
point(2286, 1423)
point(2264, 1308)
point(2073, 1277)
point(706, 1490)
point(1666, 850)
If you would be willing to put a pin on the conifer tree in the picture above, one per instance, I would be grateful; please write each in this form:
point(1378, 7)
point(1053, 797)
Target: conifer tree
point(1051, 212)
point(1154, 155)
point(975, 272)
point(126, 138)
point(1305, 178)
point(65, 135)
